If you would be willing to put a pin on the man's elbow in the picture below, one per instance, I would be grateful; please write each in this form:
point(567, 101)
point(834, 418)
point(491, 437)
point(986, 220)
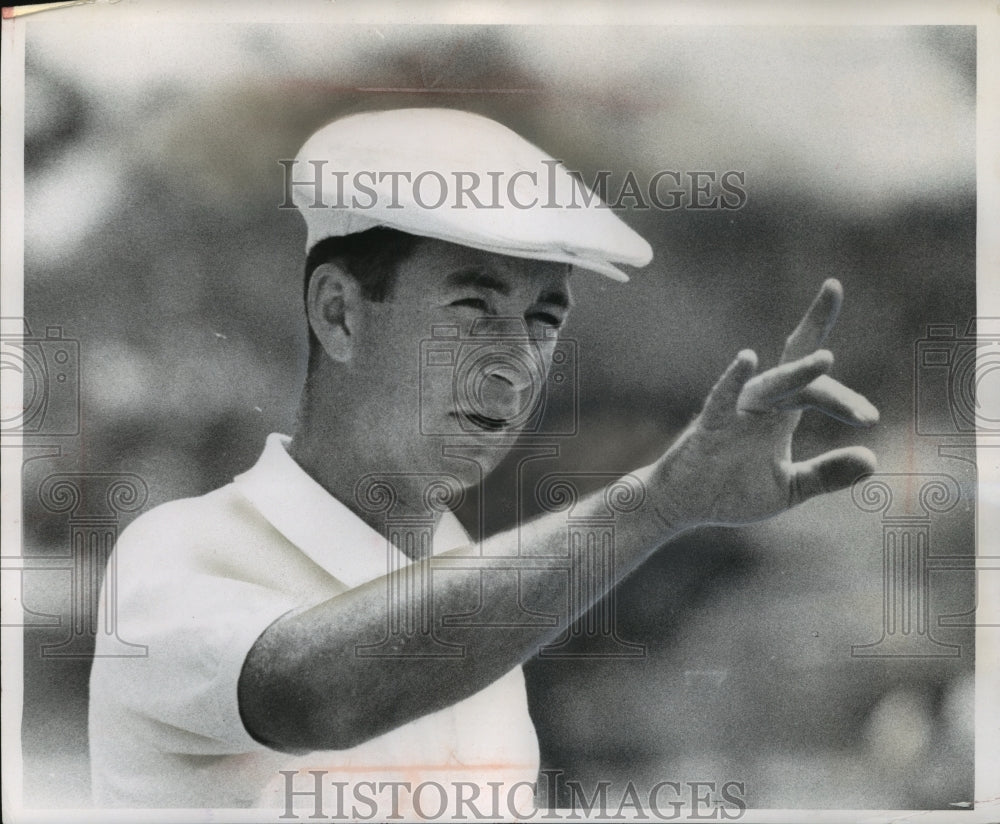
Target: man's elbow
point(279, 711)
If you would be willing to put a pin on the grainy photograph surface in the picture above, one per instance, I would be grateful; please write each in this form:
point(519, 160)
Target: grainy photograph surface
point(496, 417)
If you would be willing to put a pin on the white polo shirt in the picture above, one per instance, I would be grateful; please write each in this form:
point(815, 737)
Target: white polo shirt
point(198, 581)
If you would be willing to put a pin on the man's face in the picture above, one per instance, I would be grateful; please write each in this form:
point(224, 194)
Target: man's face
point(458, 354)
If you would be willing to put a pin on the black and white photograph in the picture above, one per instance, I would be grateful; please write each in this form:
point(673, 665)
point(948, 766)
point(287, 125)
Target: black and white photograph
point(495, 412)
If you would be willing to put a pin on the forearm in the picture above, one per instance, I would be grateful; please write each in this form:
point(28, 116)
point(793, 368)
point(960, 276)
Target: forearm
point(306, 685)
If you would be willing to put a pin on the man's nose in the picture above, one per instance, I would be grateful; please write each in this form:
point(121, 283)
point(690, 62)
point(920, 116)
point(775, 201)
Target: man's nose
point(500, 398)
point(509, 384)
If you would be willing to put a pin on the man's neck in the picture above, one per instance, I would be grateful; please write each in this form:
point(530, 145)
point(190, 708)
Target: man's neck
point(331, 459)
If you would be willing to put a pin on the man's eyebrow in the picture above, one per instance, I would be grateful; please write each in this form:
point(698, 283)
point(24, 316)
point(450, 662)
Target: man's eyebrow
point(478, 278)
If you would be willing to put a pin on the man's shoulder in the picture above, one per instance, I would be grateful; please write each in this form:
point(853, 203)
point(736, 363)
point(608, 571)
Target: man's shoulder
point(217, 518)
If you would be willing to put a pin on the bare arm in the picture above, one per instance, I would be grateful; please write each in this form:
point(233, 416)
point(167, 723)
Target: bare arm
point(304, 687)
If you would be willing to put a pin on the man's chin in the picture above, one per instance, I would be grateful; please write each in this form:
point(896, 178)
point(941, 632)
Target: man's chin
point(471, 459)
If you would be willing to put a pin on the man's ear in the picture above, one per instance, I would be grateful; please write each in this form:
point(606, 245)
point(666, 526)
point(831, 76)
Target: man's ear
point(332, 303)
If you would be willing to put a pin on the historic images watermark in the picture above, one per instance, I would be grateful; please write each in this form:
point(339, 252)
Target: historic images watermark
point(906, 502)
point(590, 544)
point(411, 630)
point(48, 367)
point(956, 402)
point(957, 380)
point(317, 794)
point(364, 189)
point(41, 420)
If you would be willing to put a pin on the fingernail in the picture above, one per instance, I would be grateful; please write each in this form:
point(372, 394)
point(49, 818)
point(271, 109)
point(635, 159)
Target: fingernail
point(871, 417)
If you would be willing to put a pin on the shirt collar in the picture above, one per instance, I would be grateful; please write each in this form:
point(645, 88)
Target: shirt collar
point(323, 528)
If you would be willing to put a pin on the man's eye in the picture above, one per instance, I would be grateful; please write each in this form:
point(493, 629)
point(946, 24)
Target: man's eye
point(547, 318)
point(473, 303)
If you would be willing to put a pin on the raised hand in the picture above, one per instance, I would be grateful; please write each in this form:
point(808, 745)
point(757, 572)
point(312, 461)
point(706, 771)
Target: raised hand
point(733, 464)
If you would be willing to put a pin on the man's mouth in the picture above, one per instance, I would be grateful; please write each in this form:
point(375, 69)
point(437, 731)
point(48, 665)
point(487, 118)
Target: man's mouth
point(486, 423)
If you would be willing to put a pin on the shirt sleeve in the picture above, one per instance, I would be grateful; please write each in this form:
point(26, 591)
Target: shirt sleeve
point(198, 616)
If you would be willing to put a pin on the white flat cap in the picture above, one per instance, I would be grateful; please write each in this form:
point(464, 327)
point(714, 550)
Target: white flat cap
point(458, 177)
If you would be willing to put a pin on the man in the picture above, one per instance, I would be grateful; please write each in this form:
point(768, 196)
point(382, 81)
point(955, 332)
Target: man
point(297, 657)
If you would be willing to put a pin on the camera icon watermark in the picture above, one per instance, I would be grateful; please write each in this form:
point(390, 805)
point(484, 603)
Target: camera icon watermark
point(49, 369)
point(957, 380)
point(496, 379)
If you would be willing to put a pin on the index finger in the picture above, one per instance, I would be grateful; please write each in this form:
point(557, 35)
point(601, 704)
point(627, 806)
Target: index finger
point(816, 323)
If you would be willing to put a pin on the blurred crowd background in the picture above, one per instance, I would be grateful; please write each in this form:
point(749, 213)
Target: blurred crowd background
point(154, 238)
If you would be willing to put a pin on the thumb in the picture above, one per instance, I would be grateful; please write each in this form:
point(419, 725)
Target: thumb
point(828, 472)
